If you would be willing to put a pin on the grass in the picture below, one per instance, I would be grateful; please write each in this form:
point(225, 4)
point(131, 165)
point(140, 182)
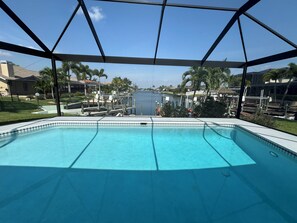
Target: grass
point(10, 118)
point(19, 111)
point(289, 126)
point(286, 125)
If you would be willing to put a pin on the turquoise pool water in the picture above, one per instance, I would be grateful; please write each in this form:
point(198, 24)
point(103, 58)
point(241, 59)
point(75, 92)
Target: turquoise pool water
point(133, 148)
point(145, 174)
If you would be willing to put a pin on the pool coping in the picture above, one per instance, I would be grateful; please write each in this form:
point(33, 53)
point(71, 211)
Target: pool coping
point(279, 140)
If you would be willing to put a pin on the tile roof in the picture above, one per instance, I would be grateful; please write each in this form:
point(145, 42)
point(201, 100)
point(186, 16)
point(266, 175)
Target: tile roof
point(21, 73)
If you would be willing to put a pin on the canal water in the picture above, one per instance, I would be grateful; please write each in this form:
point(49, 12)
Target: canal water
point(146, 101)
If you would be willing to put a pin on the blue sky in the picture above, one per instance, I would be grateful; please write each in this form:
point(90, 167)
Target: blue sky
point(131, 30)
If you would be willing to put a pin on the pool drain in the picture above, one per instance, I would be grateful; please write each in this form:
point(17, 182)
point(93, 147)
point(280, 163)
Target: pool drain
point(226, 173)
point(273, 154)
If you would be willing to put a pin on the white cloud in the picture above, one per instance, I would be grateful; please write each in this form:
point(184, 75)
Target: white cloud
point(5, 54)
point(94, 12)
point(32, 47)
point(29, 46)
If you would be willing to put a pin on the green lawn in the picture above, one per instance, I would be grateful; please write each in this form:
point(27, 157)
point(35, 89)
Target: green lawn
point(286, 125)
point(10, 118)
point(18, 111)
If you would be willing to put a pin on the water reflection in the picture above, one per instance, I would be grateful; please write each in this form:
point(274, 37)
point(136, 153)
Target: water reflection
point(146, 101)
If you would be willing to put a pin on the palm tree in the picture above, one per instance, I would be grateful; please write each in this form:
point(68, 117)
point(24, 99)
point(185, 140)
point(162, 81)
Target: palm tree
point(234, 81)
point(83, 72)
point(274, 74)
point(63, 78)
point(215, 78)
point(117, 84)
point(292, 75)
point(99, 74)
point(212, 80)
point(47, 78)
point(127, 85)
point(196, 76)
point(225, 75)
point(68, 66)
point(42, 84)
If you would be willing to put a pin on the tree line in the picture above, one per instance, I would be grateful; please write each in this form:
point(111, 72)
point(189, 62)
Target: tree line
point(45, 81)
point(289, 73)
point(213, 78)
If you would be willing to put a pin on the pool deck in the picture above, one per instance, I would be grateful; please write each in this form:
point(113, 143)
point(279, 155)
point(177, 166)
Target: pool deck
point(283, 139)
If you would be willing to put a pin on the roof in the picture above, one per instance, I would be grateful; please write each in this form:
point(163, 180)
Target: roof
point(21, 73)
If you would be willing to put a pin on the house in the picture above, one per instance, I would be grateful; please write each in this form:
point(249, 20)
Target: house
point(16, 80)
point(257, 84)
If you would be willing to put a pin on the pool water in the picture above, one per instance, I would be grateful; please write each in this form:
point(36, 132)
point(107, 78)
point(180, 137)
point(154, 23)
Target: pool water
point(133, 148)
point(145, 174)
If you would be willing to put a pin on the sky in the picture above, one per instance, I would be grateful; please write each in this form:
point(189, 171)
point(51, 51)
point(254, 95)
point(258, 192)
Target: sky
point(131, 30)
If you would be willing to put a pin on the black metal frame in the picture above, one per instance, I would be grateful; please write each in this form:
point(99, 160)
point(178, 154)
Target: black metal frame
point(56, 86)
point(235, 17)
point(238, 12)
point(66, 27)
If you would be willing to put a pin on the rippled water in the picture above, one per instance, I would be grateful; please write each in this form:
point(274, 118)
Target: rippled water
point(146, 101)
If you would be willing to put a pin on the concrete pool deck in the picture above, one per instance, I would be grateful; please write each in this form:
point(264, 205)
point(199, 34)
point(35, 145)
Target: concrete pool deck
point(283, 139)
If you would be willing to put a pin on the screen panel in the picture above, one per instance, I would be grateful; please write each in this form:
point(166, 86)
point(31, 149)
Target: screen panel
point(279, 15)
point(259, 42)
point(189, 33)
point(126, 29)
point(45, 18)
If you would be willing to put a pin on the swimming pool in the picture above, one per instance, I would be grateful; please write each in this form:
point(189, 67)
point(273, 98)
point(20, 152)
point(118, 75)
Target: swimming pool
point(145, 173)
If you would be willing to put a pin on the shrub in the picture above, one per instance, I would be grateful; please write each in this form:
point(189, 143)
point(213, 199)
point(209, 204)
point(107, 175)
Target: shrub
point(180, 111)
point(77, 94)
point(260, 118)
point(211, 108)
point(197, 110)
point(167, 110)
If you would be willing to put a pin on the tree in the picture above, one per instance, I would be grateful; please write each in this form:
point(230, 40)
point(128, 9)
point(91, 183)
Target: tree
point(196, 76)
point(211, 108)
point(67, 67)
point(119, 84)
point(225, 74)
point(127, 85)
point(76, 71)
point(46, 80)
point(215, 78)
point(99, 73)
point(234, 81)
point(116, 84)
point(292, 75)
point(274, 74)
point(42, 84)
point(63, 78)
point(162, 88)
point(212, 78)
point(83, 72)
